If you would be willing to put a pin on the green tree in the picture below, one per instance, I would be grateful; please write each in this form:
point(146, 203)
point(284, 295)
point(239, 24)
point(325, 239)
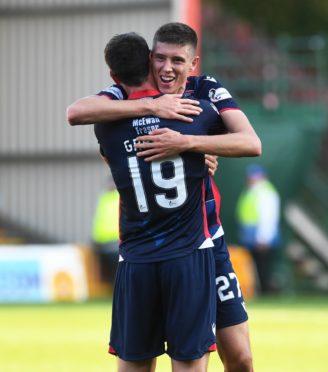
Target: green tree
point(276, 17)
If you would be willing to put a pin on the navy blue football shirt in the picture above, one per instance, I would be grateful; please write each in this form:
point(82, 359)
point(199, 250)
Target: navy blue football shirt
point(162, 203)
point(206, 88)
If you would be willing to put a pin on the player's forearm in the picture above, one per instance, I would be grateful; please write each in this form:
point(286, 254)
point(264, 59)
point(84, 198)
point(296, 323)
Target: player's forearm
point(226, 145)
point(99, 109)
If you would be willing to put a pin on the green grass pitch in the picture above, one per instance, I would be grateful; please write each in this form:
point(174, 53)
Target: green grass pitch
point(287, 335)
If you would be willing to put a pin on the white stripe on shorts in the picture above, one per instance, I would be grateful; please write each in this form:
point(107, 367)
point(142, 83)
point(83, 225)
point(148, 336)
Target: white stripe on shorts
point(206, 244)
point(219, 233)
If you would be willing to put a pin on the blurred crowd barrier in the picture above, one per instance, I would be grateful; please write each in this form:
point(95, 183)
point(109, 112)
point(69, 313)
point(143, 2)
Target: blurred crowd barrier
point(48, 273)
point(36, 273)
point(244, 267)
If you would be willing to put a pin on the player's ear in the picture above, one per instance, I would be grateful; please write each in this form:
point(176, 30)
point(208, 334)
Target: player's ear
point(194, 63)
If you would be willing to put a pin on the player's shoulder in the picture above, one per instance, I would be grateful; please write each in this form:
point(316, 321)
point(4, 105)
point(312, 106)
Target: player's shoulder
point(209, 88)
point(114, 91)
point(196, 82)
point(207, 105)
point(204, 102)
point(206, 87)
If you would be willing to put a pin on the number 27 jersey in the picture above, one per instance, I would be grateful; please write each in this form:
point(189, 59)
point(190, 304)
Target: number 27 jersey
point(162, 206)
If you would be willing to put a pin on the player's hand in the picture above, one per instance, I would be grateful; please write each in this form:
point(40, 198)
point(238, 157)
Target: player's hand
point(172, 106)
point(212, 162)
point(161, 143)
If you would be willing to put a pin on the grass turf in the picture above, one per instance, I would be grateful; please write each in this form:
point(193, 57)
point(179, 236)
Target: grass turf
point(287, 335)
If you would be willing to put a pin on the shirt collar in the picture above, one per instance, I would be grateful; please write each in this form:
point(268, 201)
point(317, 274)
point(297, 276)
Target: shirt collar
point(144, 93)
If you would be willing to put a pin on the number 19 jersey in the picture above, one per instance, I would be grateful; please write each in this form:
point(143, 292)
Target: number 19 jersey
point(162, 206)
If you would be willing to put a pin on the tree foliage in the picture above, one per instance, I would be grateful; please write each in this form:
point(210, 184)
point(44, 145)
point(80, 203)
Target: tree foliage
point(276, 17)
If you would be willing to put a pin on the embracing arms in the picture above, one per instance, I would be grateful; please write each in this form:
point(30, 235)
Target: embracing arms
point(241, 140)
point(98, 109)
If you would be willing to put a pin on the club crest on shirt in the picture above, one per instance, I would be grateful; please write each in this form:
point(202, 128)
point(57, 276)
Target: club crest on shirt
point(188, 93)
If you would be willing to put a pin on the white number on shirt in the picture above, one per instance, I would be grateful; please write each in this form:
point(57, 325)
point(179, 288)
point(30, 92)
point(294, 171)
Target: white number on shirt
point(176, 182)
point(225, 285)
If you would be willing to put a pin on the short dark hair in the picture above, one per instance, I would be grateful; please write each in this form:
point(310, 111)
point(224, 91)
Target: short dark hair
point(127, 56)
point(176, 33)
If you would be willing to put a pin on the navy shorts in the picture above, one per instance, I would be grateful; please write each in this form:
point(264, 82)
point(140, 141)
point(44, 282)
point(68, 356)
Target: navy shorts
point(170, 302)
point(230, 304)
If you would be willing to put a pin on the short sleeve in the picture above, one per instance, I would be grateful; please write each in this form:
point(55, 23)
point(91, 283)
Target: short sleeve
point(114, 92)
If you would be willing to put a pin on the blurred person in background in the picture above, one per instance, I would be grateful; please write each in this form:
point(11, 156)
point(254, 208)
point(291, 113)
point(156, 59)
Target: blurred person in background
point(258, 216)
point(105, 233)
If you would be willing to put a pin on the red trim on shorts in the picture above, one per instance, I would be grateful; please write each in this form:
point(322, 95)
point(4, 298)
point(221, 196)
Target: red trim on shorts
point(206, 231)
point(212, 348)
point(111, 350)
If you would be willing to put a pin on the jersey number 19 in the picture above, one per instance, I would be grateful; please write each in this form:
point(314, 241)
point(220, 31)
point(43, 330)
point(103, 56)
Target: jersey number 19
point(176, 182)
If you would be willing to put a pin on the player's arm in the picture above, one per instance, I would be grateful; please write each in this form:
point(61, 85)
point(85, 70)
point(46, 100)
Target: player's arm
point(241, 140)
point(99, 109)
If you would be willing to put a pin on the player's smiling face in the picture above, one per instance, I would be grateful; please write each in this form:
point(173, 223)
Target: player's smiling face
point(171, 65)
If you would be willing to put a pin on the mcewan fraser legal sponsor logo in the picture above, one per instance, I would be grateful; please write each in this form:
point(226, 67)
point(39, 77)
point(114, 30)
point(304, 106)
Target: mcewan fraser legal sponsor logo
point(145, 121)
